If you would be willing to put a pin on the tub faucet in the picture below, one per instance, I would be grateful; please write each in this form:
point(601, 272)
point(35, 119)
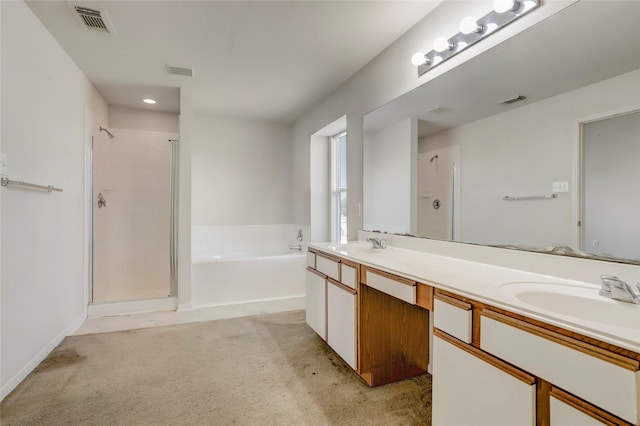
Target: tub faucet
point(378, 243)
point(299, 236)
point(615, 288)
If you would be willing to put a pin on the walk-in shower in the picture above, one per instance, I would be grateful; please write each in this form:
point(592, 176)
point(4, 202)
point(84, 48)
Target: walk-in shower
point(134, 197)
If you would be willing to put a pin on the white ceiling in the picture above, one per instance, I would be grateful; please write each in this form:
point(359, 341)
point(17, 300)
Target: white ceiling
point(261, 59)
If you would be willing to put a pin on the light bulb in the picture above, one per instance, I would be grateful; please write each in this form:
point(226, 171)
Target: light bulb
point(441, 44)
point(149, 101)
point(502, 6)
point(469, 25)
point(418, 59)
point(437, 60)
point(491, 27)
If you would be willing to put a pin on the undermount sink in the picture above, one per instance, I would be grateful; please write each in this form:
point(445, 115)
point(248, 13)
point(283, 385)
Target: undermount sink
point(576, 301)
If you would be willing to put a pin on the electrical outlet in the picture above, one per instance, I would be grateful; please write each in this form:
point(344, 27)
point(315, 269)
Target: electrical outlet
point(560, 187)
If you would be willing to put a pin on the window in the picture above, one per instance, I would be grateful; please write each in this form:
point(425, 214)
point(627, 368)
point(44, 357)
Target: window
point(339, 187)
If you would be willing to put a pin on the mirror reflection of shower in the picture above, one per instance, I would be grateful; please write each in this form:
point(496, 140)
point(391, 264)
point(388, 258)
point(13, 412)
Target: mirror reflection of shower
point(102, 129)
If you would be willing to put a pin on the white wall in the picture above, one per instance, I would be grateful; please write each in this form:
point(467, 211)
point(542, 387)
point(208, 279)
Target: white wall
point(320, 169)
point(511, 154)
point(390, 167)
point(241, 172)
point(386, 77)
point(142, 119)
point(43, 279)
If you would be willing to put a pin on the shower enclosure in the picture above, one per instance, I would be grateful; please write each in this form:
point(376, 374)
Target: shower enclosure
point(134, 181)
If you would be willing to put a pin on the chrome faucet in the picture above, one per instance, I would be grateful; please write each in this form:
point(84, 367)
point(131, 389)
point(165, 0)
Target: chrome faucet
point(378, 243)
point(299, 238)
point(615, 288)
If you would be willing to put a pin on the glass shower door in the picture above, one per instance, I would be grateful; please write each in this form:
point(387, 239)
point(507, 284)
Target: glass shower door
point(132, 215)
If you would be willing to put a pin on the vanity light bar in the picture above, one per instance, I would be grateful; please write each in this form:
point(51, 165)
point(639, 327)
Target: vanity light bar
point(487, 25)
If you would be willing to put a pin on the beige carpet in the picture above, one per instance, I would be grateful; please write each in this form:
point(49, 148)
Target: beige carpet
point(261, 370)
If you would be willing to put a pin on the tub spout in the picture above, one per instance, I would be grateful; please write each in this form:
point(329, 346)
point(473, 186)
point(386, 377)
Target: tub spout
point(296, 247)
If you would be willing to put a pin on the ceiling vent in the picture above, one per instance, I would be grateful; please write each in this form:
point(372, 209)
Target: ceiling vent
point(180, 71)
point(513, 100)
point(92, 19)
point(439, 110)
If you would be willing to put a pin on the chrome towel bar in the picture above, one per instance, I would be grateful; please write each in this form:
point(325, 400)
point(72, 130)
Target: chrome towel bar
point(49, 188)
point(530, 197)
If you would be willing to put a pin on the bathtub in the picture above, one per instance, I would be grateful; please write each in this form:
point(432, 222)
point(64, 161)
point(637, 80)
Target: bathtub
point(241, 264)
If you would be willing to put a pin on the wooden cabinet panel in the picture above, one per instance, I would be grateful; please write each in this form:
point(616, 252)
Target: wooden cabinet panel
point(394, 338)
point(341, 322)
point(570, 368)
point(469, 391)
point(316, 300)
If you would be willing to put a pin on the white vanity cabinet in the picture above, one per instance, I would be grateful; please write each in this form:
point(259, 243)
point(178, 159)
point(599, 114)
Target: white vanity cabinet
point(316, 312)
point(332, 305)
point(471, 389)
point(342, 321)
point(494, 367)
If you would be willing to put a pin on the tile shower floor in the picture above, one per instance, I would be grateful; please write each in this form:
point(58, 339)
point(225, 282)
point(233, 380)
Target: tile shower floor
point(105, 324)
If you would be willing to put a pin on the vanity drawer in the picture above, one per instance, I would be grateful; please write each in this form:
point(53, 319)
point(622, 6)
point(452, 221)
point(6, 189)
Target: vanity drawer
point(453, 316)
point(400, 288)
point(349, 275)
point(311, 259)
point(566, 409)
point(605, 379)
point(328, 266)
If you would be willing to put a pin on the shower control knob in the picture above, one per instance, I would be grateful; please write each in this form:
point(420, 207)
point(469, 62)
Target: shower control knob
point(101, 201)
point(436, 204)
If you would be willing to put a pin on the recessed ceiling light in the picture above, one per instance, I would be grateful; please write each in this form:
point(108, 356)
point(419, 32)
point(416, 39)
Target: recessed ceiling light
point(149, 101)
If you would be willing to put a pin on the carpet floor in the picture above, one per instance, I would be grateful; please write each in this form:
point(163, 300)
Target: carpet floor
point(262, 370)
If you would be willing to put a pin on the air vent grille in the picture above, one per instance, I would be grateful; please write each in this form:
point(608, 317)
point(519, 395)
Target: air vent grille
point(513, 100)
point(94, 19)
point(180, 71)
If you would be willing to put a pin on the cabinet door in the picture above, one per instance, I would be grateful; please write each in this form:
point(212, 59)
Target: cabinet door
point(341, 322)
point(469, 391)
point(316, 312)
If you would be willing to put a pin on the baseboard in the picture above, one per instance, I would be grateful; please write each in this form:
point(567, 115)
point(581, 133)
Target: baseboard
point(35, 361)
point(245, 302)
point(132, 306)
point(185, 307)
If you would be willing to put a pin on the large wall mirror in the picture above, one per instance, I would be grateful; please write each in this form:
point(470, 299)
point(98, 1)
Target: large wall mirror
point(464, 158)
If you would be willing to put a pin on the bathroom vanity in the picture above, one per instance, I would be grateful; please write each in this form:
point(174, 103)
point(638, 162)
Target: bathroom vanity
point(507, 346)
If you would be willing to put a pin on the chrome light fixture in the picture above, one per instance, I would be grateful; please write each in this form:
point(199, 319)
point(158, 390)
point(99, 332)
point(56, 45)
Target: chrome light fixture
point(472, 31)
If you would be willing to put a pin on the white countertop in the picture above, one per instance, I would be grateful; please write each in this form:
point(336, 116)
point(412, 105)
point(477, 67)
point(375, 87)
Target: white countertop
point(572, 305)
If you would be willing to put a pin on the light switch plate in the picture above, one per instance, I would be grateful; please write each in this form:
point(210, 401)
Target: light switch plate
point(4, 165)
point(560, 186)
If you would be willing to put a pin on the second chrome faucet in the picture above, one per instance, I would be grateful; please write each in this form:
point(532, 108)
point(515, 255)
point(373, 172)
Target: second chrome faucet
point(614, 288)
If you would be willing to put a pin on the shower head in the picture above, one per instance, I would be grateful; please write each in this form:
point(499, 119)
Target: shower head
point(102, 129)
point(435, 157)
